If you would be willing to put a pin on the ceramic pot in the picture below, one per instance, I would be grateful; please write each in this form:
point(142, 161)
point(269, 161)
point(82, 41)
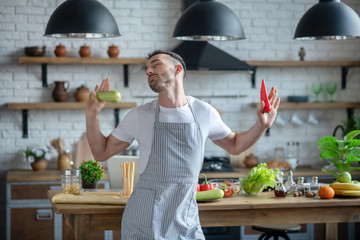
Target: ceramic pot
point(60, 51)
point(60, 93)
point(85, 51)
point(82, 94)
point(39, 164)
point(113, 51)
point(92, 185)
point(63, 161)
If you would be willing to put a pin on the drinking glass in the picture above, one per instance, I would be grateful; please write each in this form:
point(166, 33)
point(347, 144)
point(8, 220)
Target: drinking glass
point(331, 89)
point(316, 88)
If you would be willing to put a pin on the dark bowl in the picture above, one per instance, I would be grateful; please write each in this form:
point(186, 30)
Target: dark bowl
point(37, 51)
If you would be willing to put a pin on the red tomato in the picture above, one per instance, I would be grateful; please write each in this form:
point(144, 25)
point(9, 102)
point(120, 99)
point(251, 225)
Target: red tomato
point(228, 192)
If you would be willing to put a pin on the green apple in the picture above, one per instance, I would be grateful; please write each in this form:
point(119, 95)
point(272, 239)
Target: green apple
point(344, 177)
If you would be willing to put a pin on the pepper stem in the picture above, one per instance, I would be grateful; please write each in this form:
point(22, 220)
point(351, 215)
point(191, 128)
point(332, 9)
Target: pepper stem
point(206, 182)
point(269, 113)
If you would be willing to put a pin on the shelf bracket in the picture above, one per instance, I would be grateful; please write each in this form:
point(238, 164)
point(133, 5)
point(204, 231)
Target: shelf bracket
point(117, 118)
point(267, 133)
point(25, 123)
point(44, 74)
point(344, 72)
point(126, 75)
point(253, 77)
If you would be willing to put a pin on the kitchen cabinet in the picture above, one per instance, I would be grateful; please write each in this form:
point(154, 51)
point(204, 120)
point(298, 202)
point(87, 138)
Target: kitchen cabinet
point(63, 105)
point(44, 61)
point(29, 214)
point(344, 64)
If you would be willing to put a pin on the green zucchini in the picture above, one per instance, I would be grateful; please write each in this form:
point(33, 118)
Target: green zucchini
point(209, 195)
point(109, 96)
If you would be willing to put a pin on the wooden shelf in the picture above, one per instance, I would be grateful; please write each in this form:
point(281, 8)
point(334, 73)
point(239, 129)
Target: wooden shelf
point(345, 65)
point(320, 105)
point(63, 105)
point(304, 63)
point(73, 60)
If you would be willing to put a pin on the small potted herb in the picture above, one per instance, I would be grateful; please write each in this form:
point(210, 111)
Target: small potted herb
point(91, 173)
point(342, 153)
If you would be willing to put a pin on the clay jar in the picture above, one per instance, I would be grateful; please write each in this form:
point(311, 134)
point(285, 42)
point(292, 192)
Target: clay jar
point(113, 51)
point(85, 51)
point(60, 93)
point(251, 161)
point(60, 51)
point(82, 94)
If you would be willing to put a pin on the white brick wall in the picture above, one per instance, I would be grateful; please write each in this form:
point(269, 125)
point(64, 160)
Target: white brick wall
point(269, 26)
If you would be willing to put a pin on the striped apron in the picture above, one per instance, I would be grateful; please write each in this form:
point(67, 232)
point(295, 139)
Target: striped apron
point(163, 204)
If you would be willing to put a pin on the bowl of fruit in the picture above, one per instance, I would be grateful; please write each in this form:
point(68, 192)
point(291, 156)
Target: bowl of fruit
point(231, 187)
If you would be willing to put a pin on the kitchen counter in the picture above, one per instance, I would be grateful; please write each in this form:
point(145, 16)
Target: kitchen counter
point(237, 211)
point(298, 172)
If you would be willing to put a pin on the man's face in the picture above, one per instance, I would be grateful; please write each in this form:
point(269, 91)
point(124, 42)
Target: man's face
point(160, 72)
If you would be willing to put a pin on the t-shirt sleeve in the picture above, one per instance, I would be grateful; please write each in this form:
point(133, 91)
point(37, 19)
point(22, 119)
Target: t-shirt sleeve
point(217, 128)
point(125, 131)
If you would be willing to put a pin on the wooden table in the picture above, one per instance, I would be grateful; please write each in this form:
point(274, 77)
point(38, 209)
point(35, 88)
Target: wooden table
point(237, 211)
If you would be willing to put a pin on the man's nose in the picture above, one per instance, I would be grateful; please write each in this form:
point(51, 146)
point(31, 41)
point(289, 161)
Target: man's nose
point(148, 71)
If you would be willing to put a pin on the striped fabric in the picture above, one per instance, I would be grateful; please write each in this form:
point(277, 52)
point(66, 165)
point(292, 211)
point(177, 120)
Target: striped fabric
point(163, 204)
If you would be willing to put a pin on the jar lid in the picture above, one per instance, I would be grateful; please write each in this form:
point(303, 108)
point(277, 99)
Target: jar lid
point(71, 172)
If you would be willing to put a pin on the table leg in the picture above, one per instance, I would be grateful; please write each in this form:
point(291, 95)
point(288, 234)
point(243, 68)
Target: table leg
point(81, 226)
point(331, 231)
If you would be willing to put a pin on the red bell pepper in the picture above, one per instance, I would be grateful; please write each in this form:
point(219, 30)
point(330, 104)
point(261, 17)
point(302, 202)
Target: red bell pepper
point(198, 188)
point(206, 186)
point(263, 97)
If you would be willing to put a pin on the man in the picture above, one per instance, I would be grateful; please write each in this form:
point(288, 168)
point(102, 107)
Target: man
point(171, 133)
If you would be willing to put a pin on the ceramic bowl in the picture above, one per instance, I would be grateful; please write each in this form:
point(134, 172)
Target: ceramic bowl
point(36, 51)
point(231, 187)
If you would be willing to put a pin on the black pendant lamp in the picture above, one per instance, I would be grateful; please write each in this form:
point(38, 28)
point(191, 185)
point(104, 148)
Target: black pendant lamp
point(328, 20)
point(208, 20)
point(81, 19)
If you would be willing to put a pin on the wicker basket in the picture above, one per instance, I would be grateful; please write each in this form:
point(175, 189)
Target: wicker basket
point(238, 160)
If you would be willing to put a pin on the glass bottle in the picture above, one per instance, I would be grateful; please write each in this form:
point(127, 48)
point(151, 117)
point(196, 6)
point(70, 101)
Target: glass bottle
point(314, 186)
point(280, 189)
point(71, 181)
point(290, 184)
point(300, 187)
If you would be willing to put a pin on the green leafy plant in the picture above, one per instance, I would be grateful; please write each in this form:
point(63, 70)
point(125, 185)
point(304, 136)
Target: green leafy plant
point(91, 171)
point(259, 178)
point(35, 152)
point(342, 153)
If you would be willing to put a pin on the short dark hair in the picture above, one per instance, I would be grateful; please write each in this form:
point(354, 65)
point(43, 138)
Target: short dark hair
point(173, 55)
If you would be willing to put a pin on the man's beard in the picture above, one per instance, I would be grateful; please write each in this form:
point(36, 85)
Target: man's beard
point(159, 84)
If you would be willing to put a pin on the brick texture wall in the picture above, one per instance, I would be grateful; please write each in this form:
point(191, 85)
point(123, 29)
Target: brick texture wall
point(147, 25)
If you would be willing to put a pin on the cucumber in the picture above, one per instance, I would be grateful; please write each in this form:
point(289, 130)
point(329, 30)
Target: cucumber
point(209, 195)
point(109, 96)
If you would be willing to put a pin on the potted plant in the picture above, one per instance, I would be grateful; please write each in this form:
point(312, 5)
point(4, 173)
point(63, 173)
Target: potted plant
point(342, 153)
point(91, 173)
point(37, 156)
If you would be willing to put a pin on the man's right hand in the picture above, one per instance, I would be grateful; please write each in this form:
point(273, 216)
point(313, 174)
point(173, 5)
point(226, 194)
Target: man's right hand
point(94, 105)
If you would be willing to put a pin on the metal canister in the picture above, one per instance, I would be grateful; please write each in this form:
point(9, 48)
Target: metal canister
point(71, 181)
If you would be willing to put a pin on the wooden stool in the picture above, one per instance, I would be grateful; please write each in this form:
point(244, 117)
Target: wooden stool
point(276, 231)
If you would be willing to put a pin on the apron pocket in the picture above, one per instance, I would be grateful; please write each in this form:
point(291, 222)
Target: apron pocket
point(139, 209)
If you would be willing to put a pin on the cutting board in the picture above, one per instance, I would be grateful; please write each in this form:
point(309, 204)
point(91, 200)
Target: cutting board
point(91, 198)
point(83, 151)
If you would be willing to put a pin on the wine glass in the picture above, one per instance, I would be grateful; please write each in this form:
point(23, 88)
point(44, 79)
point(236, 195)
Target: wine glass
point(316, 88)
point(331, 89)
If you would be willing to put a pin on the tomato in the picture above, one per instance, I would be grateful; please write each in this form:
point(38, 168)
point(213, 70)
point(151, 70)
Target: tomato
point(228, 192)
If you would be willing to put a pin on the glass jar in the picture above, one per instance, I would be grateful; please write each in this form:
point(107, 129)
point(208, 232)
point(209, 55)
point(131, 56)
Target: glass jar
point(314, 186)
point(300, 187)
point(71, 181)
point(279, 154)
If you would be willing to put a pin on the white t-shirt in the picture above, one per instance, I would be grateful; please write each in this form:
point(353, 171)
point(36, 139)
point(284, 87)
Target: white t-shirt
point(139, 124)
